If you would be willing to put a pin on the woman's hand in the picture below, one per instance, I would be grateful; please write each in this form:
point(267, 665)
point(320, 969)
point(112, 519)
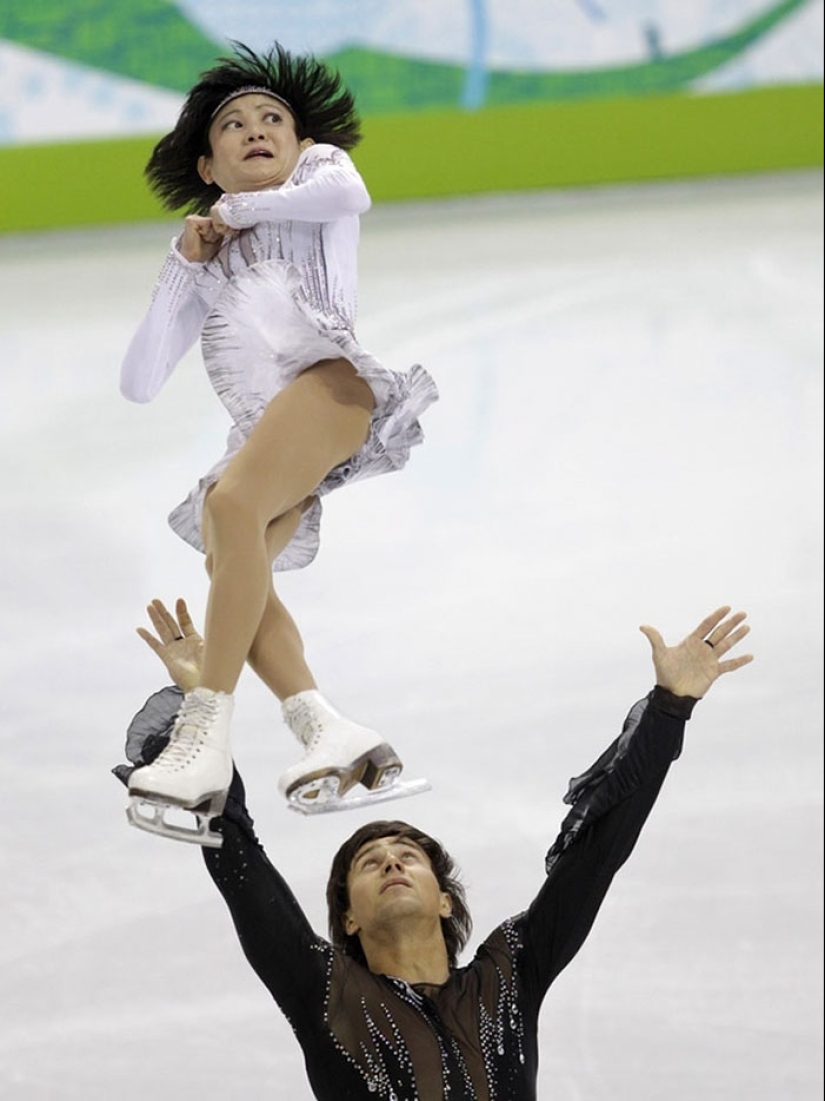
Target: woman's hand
point(690, 668)
point(200, 239)
point(178, 644)
point(218, 224)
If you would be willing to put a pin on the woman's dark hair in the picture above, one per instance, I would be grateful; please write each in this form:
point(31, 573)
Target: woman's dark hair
point(322, 107)
point(456, 927)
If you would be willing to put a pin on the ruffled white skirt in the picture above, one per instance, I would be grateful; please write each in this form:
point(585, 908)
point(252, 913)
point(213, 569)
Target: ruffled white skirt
point(260, 335)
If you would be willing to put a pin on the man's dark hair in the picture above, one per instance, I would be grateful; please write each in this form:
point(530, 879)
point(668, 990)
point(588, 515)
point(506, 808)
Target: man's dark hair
point(322, 107)
point(456, 927)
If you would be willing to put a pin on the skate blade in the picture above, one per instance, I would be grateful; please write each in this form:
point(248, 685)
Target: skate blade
point(150, 815)
point(376, 770)
point(400, 790)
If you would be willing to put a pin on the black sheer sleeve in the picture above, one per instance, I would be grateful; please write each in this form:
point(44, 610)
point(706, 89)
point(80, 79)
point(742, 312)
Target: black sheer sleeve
point(610, 804)
point(274, 933)
point(276, 938)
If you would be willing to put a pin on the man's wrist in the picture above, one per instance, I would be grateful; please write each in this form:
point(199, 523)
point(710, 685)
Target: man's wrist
point(678, 707)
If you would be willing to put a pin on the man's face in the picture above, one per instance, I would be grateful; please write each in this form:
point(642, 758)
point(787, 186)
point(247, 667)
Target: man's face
point(391, 880)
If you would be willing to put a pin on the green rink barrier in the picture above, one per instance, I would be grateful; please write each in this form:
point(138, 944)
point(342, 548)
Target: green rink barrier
point(433, 154)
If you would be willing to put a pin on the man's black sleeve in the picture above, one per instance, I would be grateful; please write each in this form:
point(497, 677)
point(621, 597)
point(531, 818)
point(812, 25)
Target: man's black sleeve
point(274, 933)
point(610, 804)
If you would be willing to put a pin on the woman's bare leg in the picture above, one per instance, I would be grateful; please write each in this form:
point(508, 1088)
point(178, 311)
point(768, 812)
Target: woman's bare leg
point(319, 420)
point(277, 652)
point(344, 748)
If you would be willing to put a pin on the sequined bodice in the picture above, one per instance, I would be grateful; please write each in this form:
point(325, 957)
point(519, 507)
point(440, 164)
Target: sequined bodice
point(324, 253)
point(310, 224)
point(463, 1041)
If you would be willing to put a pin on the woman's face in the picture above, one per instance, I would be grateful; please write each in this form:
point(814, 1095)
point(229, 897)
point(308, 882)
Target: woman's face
point(254, 145)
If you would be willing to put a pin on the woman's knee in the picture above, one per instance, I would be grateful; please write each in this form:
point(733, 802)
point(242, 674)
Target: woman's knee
point(228, 508)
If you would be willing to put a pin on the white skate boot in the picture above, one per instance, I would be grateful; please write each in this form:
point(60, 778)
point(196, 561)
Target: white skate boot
point(192, 773)
point(339, 755)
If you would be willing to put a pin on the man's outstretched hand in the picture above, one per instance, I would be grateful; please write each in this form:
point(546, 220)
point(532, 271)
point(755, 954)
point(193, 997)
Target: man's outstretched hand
point(178, 644)
point(690, 668)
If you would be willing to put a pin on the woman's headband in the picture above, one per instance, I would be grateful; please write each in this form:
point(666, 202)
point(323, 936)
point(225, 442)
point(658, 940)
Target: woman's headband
point(251, 89)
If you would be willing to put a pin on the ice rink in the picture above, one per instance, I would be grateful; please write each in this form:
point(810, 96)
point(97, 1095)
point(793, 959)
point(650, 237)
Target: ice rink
point(629, 431)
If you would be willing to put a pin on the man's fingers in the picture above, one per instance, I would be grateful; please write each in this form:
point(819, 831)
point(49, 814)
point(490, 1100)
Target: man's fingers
point(150, 640)
point(157, 619)
point(184, 619)
point(724, 629)
point(727, 643)
point(734, 663)
point(711, 621)
point(163, 621)
point(653, 637)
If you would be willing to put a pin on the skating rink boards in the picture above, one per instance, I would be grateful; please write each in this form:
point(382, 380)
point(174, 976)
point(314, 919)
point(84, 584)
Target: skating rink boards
point(629, 432)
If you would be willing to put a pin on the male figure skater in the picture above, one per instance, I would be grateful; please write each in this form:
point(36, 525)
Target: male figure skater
point(382, 1010)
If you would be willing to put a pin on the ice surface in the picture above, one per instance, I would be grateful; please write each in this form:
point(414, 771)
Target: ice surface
point(629, 431)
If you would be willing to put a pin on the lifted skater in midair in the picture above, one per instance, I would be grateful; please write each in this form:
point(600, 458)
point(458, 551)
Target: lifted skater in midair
point(265, 273)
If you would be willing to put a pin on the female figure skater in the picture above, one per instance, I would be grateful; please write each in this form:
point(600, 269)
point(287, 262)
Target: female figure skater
point(265, 273)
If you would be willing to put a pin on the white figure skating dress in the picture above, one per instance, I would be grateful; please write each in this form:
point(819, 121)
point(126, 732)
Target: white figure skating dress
point(279, 296)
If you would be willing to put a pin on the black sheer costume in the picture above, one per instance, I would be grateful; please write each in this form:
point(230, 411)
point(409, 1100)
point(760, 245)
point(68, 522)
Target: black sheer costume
point(369, 1037)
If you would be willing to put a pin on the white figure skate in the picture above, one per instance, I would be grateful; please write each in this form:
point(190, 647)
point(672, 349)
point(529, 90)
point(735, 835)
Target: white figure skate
point(191, 774)
point(339, 755)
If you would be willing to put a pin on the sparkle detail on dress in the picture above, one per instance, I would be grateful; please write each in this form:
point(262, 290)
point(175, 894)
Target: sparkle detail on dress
point(176, 277)
point(280, 297)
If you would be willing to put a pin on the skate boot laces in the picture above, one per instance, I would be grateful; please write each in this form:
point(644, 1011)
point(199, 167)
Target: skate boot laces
point(306, 724)
point(191, 729)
